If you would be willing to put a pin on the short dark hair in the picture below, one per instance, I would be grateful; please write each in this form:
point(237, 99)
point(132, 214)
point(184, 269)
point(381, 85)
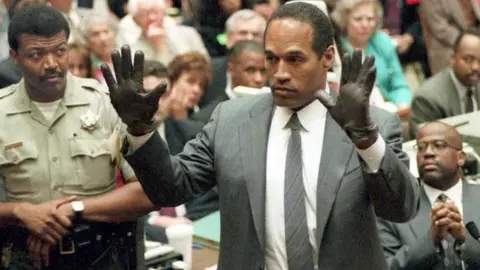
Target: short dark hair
point(244, 46)
point(308, 13)
point(36, 20)
point(470, 31)
point(155, 68)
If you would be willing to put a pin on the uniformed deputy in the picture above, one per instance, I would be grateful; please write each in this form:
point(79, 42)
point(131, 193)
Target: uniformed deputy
point(59, 137)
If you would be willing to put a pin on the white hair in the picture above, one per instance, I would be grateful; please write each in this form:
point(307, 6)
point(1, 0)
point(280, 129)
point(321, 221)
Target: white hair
point(133, 5)
point(342, 9)
point(242, 15)
point(97, 17)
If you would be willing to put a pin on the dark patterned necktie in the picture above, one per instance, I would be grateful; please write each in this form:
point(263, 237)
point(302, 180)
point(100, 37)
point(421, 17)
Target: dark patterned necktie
point(299, 250)
point(469, 100)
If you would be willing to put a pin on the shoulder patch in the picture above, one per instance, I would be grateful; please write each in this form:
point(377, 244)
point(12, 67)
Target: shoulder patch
point(4, 92)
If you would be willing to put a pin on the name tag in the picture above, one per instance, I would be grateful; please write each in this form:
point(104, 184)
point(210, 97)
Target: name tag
point(13, 145)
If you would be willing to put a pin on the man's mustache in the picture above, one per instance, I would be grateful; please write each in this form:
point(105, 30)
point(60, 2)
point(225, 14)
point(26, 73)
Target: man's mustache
point(51, 74)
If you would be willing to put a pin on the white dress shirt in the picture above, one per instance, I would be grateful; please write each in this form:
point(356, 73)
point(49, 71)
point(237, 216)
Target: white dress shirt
point(313, 119)
point(454, 194)
point(462, 93)
point(228, 88)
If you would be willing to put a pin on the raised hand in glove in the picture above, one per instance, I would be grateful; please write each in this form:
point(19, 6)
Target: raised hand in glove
point(351, 109)
point(134, 106)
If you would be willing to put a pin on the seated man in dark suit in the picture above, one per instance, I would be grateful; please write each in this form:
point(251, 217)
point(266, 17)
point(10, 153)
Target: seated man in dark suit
point(246, 67)
point(176, 133)
point(437, 235)
point(454, 90)
point(241, 25)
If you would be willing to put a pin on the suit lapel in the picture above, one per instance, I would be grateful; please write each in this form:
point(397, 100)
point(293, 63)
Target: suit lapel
point(421, 222)
point(253, 142)
point(336, 152)
point(452, 98)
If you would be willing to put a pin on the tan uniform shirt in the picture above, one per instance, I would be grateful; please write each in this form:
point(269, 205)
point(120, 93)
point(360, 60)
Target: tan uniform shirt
point(43, 160)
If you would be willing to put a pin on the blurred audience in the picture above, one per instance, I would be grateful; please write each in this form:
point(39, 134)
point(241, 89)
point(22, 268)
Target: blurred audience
point(266, 7)
point(402, 22)
point(360, 21)
point(244, 24)
point(209, 17)
point(189, 75)
point(176, 133)
point(150, 30)
point(3, 32)
point(73, 17)
point(99, 33)
point(444, 20)
point(454, 90)
point(79, 63)
point(118, 8)
point(10, 73)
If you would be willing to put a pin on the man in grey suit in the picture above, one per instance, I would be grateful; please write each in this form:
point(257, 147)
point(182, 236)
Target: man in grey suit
point(420, 243)
point(299, 197)
point(453, 91)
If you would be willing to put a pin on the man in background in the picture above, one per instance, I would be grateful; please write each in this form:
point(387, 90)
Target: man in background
point(436, 237)
point(245, 67)
point(453, 91)
point(242, 25)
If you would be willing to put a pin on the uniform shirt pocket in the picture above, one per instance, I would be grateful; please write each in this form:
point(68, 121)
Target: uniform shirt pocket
point(17, 166)
point(93, 167)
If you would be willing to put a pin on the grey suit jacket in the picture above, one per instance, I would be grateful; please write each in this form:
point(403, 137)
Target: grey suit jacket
point(410, 246)
point(231, 152)
point(436, 98)
point(444, 20)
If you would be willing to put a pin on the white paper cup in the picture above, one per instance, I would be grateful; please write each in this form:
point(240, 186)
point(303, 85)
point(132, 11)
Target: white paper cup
point(180, 238)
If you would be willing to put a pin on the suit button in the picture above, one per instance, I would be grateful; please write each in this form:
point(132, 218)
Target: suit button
point(54, 159)
point(50, 131)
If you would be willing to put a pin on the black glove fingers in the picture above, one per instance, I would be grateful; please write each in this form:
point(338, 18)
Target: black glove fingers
point(126, 62)
point(138, 62)
point(117, 66)
point(355, 65)
point(345, 69)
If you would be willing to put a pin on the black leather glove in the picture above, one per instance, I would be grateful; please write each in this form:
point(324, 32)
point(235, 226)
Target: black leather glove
point(351, 109)
point(134, 106)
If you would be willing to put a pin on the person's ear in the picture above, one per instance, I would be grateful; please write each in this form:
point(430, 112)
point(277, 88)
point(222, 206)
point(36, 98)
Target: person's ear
point(461, 158)
point(328, 57)
point(14, 56)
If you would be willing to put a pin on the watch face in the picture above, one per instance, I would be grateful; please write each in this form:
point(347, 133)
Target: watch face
point(77, 206)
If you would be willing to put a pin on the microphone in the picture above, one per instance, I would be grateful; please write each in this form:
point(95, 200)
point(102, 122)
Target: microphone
point(473, 230)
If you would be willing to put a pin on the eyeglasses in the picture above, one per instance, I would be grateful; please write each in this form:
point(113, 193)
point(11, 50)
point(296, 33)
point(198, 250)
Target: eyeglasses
point(437, 146)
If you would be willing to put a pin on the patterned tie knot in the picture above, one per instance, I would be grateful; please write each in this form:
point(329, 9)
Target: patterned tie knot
point(294, 123)
point(442, 198)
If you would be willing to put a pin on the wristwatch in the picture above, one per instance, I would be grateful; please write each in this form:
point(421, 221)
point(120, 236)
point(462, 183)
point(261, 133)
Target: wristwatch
point(78, 208)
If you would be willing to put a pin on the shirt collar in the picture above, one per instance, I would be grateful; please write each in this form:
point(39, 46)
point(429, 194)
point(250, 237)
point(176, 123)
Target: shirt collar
point(461, 88)
point(307, 115)
point(454, 193)
point(228, 88)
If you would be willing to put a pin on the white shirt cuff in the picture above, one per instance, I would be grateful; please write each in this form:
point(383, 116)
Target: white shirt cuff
point(152, 217)
point(137, 141)
point(373, 155)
